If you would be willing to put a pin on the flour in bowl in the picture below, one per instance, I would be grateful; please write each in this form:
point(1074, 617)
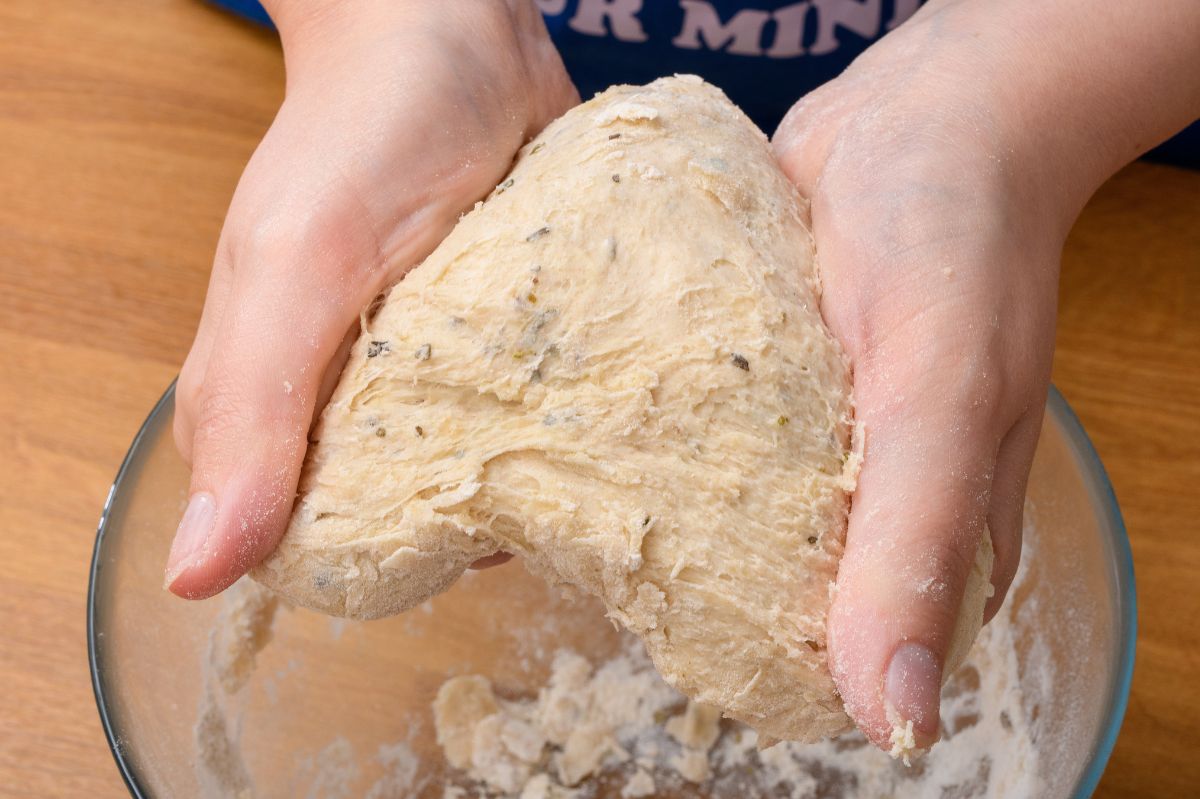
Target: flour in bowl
point(613, 728)
point(618, 727)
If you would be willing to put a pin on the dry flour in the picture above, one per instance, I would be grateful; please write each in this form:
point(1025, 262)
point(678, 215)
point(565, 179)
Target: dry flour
point(615, 729)
point(621, 719)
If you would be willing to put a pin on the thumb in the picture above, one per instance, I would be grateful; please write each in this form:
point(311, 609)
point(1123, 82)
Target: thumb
point(280, 337)
point(899, 623)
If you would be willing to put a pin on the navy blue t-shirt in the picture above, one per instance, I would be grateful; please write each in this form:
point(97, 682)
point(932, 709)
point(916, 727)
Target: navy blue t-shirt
point(765, 54)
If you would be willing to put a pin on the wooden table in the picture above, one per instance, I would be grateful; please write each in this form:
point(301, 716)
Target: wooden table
point(123, 128)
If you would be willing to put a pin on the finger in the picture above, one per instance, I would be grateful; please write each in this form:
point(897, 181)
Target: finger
point(1007, 509)
point(497, 559)
point(918, 518)
point(282, 327)
point(191, 376)
point(333, 371)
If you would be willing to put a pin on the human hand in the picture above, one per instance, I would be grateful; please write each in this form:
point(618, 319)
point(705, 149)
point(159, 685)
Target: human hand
point(945, 167)
point(398, 116)
point(938, 249)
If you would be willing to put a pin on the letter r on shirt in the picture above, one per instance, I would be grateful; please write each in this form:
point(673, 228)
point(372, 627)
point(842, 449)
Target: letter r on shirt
point(621, 16)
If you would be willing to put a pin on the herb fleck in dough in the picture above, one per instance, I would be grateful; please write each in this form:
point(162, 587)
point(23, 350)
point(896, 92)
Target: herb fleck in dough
point(626, 382)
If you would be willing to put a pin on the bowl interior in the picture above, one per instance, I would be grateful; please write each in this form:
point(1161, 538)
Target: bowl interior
point(335, 707)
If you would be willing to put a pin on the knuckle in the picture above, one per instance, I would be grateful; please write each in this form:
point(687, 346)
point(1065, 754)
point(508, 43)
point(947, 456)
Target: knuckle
point(943, 556)
point(181, 430)
point(1005, 524)
point(949, 375)
point(789, 131)
point(224, 411)
point(936, 574)
point(334, 240)
point(188, 388)
point(187, 392)
point(1004, 569)
point(1006, 560)
point(240, 416)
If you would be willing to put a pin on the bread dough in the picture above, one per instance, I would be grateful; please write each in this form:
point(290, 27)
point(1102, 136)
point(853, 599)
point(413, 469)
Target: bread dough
point(615, 367)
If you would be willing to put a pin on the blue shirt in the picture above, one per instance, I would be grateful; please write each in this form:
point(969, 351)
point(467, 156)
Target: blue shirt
point(765, 54)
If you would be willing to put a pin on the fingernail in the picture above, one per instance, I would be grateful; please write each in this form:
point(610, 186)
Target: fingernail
point(194, 528)
point(913, 687)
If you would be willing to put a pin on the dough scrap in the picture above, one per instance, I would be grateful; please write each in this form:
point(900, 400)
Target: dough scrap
point(460, 706)
point(697, 727)
point(616, 367)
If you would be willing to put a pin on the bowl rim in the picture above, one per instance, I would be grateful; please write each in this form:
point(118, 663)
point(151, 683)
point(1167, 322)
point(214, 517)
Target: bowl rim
point(1087, 458)
point(1100, 486)
point(125, 765)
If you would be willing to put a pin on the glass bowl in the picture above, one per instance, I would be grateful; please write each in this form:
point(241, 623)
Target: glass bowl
point(326, 691)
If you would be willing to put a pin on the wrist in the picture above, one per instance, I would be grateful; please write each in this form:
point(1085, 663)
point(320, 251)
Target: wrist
point(502, 44)
point(308, 21)
point(1075, 92)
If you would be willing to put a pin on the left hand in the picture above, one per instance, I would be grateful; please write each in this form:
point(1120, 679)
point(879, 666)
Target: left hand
point(945, 168)
point(938, 241)
point(399, 115)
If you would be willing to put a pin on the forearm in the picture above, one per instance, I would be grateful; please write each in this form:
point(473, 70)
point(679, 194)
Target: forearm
point(505, 40)
point(1083, 87)
point(308, 18)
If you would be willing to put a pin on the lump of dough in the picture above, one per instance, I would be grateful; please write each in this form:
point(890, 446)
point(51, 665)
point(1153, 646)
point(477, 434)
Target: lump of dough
point(460, 706)
point(616, 367)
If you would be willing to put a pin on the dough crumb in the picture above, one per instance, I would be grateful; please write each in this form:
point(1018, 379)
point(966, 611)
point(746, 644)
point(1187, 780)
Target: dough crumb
point(542, 787)
point(648, 172)
point(461, 705)
point(627, 111)
point(904, 743)
point(219, 768)
point(692, 765)
point(242, 629)
point(644, 612)
point(641, 784)
point(697, 727)
point(585, 750)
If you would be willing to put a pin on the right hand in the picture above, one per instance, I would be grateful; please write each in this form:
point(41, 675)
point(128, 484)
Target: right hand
point(398, 116)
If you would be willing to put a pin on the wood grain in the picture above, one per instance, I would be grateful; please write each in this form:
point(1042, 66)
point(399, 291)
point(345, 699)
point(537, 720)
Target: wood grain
point(123, 128)
point(1128, 360)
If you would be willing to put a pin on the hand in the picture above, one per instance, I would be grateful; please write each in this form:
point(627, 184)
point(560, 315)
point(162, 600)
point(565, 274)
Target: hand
point(945, 167)
point(398, 116)
point(939, 255)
